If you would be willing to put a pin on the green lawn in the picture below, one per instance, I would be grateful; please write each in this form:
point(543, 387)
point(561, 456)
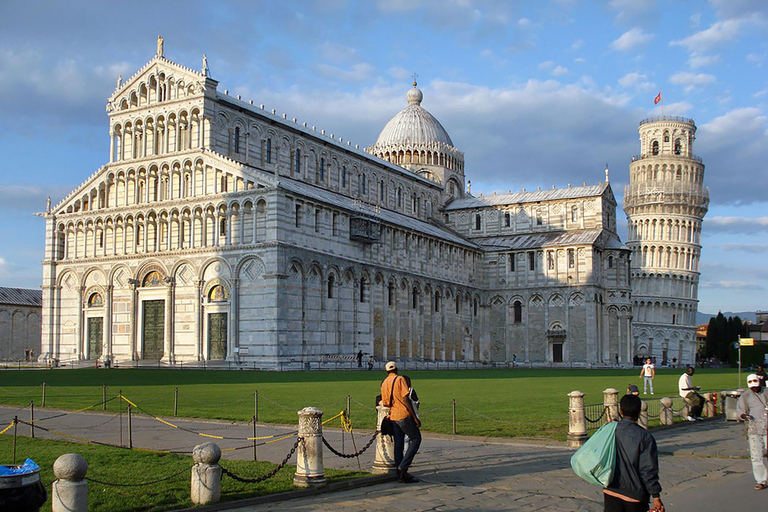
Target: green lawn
point(128, 468)
point(504, 403)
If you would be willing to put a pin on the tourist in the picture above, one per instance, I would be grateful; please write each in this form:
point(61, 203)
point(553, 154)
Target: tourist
point(636, 474)
point(633, 390)
point(370, 362)
point(360, 359)
point(396, 395)
point(752, 408)
point(689, 392)
point(762, 375)
point(648, 373)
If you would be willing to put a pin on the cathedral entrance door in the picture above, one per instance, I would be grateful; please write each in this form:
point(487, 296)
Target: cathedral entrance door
point(95, 337)
point(557, 352)
point(217, 336)
point(153, 329)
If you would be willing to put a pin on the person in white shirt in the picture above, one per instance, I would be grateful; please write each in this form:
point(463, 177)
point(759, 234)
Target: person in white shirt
point(753, 408)
point(648, 373)
point(688, 392)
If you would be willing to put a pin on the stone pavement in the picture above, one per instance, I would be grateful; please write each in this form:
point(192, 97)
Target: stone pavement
point(704, 466)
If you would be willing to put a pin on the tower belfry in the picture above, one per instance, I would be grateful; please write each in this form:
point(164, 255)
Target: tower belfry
point(665, 203)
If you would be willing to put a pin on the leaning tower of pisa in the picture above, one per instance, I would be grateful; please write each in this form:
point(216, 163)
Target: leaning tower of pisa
point(665, 203)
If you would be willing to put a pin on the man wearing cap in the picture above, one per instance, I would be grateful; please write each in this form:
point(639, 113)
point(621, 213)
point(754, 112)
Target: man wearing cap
point(689, 392)
point(752, 408)
point(395, 395)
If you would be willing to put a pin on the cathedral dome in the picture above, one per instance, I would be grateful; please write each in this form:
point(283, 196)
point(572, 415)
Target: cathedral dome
point(413, 125)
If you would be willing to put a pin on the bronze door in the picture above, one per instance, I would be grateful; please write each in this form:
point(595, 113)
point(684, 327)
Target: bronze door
point(217, 336)
point(154, 329)
point(95, 337)
point(557, 352)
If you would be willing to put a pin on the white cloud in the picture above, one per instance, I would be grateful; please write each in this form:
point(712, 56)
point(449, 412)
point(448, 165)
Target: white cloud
point(697, 60)
point(356, 73)
point(560, 70)
point(719, 33)
point(631, 39)
point(748, 248)
point(736, 225)
point(577, 44)
point(733, 285)
point(692, 80)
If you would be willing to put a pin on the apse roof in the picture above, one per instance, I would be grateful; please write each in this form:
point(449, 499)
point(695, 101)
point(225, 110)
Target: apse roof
point(526, 197)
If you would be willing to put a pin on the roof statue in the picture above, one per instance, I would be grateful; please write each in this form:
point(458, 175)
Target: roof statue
point(160, 50)
point(205, 65)
point(119, 81)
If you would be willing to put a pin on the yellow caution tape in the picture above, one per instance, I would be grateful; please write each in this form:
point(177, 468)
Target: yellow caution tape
point(6, 429)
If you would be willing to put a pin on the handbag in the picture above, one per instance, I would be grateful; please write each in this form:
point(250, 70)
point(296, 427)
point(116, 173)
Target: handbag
point(386, 427)
point(596, 459)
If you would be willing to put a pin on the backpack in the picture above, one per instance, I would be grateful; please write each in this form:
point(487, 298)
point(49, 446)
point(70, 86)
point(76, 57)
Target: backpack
point(596, 459)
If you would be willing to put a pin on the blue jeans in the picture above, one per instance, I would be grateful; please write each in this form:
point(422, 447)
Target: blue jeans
point(402, 428)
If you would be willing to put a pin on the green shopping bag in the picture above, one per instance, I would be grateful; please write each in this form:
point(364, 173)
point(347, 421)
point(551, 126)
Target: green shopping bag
point(595, 460)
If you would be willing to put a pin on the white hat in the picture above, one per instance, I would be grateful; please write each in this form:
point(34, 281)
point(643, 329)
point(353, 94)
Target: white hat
point(390, 366)
point(753, 380)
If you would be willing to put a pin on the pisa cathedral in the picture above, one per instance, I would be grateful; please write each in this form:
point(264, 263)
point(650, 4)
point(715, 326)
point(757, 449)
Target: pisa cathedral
point(221, 231)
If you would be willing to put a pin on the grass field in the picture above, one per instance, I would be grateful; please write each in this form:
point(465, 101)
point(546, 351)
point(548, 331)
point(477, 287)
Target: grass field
point(503, 403)
point(134, 468)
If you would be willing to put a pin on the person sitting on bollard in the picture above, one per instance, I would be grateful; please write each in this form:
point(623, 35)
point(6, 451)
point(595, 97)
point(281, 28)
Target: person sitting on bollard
point(688, 392)
point(752, 408)
point(633, 390)
point(636, 473)
point(395, 394)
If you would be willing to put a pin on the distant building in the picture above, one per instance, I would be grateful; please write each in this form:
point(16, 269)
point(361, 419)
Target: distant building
point(219, 230)
point(759, 330)
point(20, 311)
point(665, 203)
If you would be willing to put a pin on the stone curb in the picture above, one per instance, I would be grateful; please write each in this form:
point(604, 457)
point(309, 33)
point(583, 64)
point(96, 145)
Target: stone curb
point(345, 485)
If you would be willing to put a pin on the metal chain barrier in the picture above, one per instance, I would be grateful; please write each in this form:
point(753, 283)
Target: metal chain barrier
point(482, 415)
point(599, 418)
point(225, 471)
point(139, 484)
point(350, 455)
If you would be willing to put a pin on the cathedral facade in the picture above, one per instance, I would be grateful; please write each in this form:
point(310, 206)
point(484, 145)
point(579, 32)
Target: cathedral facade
point(221, 231)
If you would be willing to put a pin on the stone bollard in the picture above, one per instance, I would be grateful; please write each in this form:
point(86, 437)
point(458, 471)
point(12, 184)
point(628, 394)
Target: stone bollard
point(611, 402)
point(666, 415)
point(729, 405)
point(206, 474)
point(309, 455)
point(384, 462)
point(643, 420)
point(69, 492)
point(577, 420)
point(709, 406)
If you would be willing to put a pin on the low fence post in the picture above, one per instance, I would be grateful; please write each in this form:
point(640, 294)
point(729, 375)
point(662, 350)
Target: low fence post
point(643, 420)
point(577, 420)
point(709, 406)
point(666, 414)
point(69, 492)
point(309, 455)
point(206, 474)
point(384, 461)
point(611, 403)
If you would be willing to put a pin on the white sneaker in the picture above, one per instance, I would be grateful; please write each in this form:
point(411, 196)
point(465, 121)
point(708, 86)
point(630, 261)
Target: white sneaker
point(691, 418)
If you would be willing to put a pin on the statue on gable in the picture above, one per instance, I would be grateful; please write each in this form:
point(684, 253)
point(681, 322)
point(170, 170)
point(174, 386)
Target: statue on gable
point(119, 81)
point(205, 65)
point(160, 50)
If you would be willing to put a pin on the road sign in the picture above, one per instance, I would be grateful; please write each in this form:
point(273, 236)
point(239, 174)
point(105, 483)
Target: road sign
point(747, 342)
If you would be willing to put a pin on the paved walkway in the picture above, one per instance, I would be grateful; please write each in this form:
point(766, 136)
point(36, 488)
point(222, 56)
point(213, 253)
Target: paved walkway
point(704, 466)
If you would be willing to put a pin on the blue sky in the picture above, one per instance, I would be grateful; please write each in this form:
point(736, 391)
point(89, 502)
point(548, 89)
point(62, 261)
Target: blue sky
point(536, 93)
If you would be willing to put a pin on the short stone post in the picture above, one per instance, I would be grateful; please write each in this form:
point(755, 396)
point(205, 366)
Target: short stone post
point(384, 462)
point(611, 403)
point(69, 492)
point(643, 420)
point(709, 407)
point(206, 474)
point(577, 420)
point(666, 414)
point(309, 455)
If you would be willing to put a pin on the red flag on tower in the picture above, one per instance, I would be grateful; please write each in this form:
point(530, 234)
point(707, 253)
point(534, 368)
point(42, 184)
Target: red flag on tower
point(657, 99)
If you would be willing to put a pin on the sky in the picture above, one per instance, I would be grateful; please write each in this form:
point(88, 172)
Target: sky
point(536, 93)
